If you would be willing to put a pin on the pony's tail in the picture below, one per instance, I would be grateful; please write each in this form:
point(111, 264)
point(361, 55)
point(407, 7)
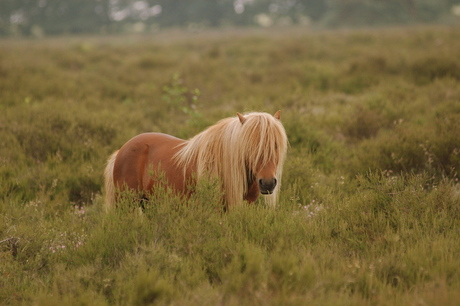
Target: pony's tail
point(109, 185)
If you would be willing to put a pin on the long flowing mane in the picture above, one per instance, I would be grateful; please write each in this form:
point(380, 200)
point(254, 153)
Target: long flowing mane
point(232, 151)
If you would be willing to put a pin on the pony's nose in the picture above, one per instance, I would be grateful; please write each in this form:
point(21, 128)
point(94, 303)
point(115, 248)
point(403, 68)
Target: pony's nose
point(267, 186)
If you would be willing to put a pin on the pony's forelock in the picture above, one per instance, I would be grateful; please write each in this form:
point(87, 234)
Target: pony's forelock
point(263, 138)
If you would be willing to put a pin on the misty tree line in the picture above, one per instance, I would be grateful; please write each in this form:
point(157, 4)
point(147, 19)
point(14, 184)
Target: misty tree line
point(52, 17)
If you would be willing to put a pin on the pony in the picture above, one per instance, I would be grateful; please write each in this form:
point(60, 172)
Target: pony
point(245, 153)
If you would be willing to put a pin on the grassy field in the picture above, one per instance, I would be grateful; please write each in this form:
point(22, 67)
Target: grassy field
point(369, 212)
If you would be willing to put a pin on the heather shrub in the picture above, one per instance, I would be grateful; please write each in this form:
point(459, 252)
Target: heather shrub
point(369, 206)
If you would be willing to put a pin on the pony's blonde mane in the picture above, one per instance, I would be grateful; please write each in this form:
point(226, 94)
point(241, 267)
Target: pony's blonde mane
point(231, 151)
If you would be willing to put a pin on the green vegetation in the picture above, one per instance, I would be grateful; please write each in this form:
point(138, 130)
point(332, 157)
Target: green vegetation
point(369, 211)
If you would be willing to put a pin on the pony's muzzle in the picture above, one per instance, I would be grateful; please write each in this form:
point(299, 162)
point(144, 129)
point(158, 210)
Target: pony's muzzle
point(267, 186)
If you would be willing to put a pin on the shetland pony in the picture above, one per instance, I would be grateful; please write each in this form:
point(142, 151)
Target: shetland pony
point(244, 153)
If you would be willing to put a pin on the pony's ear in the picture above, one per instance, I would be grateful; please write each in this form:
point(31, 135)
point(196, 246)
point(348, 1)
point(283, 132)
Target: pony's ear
point(241, 117)
point(277, 115)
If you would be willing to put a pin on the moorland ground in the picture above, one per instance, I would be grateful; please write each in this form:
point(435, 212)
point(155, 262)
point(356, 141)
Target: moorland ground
point(369, 210)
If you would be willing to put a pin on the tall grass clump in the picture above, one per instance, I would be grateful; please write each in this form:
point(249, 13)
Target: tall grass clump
point(431, 148)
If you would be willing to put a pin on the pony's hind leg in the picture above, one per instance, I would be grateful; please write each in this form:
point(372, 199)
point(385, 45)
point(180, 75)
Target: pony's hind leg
point(142, 202)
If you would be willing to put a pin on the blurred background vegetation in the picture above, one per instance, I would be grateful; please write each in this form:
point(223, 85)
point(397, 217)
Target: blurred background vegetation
point(54, 17)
